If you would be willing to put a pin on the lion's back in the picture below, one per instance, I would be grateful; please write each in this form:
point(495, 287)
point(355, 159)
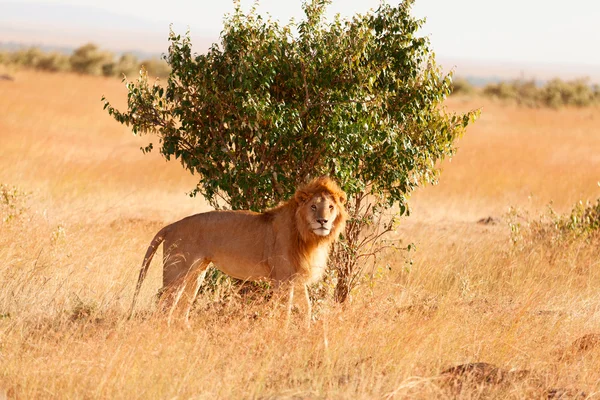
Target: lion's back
point(223, 227)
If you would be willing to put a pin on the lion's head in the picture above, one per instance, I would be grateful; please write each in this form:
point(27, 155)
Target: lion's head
point(320, 212)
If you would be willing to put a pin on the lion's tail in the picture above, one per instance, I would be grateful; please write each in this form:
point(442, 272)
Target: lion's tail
point(158, 239)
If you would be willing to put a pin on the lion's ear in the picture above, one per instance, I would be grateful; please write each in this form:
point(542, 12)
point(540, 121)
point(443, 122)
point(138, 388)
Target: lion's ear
point(301, 196)
point(342, 198)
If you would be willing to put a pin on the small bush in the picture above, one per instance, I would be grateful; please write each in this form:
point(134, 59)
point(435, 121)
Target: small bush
point(523, 92)
point(461, 86)
point(558, 93)
point(89, 59)
point(220, 288)
point(156, 67)
point(554, 229)
point(500, 90)
point(584, 219)
point(54, 62)
point(128, 65)
point(596, 91)
point(82, 311)
point(13, 202)
point(27, 57)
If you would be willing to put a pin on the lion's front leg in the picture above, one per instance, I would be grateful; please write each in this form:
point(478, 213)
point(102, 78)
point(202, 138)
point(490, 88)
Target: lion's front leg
point(308, 305)
point(289, 289)
point(308, 313)
point(289, 306)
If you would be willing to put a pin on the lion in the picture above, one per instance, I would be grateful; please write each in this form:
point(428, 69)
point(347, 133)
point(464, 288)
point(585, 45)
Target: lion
point(288, 244)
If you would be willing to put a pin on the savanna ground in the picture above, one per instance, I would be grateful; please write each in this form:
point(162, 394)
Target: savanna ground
point(71, 249)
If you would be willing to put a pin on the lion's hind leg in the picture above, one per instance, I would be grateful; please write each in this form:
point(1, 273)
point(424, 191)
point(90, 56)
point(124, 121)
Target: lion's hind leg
point(191, 295)
point(178, 298)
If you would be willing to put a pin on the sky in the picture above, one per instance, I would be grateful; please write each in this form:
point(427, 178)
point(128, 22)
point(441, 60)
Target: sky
point(520, 31)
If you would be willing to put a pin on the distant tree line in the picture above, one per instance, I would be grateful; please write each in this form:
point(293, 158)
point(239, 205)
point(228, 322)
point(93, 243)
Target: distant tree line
point(555, 93)
point(88, 59)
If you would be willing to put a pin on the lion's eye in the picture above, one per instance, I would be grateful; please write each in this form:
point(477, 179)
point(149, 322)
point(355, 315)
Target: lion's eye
point(331, 208)
point(313, 207)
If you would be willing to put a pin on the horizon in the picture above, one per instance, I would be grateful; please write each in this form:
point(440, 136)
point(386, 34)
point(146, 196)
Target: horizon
point(462, 33)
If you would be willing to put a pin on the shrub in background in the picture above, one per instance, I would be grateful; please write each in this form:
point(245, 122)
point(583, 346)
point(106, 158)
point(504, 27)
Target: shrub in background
point(584, 219)
point(54, 62)
point(13, 202)
point(89, 59)
point(523, 92)
point(556, 230)
point(156, 67)
point(27, 57)
point(128, 65)
point(461, 86)
point(555, 93)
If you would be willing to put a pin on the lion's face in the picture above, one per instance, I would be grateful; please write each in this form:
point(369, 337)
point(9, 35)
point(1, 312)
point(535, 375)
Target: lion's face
point(320, 212)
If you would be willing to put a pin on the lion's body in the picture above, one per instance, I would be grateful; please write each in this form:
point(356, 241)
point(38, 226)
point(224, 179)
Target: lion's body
point(289, 243)
point(242, 244)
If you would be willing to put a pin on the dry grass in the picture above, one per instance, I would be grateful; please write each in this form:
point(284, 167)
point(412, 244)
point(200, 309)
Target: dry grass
point(68, 265)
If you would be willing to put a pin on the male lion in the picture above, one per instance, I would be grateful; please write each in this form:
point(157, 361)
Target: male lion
point(289, 243)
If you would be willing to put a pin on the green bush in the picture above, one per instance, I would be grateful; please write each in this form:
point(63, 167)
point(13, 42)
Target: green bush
point(554, 229)
point(360, 100)
point(583, 219)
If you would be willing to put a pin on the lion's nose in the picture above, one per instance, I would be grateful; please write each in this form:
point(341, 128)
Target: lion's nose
point(322, 221)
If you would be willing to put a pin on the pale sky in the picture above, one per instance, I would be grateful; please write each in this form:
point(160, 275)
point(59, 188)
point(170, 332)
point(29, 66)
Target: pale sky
point(532, 31)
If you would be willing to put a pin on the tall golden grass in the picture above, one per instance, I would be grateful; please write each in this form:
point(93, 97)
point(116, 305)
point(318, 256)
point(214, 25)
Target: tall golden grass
point(70, 255)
